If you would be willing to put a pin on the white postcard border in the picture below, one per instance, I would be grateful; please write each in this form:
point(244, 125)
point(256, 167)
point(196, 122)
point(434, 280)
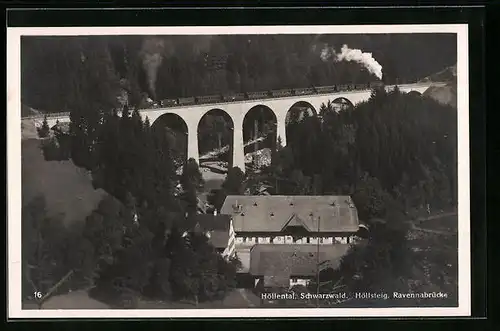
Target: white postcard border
point(14, 172)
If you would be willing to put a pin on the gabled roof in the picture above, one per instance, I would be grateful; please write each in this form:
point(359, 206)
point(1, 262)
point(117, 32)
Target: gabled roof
point(284, 261)
point(216, 225)
point(213, 222)
point(295, 221)
point(61, 127)
point(271, 213)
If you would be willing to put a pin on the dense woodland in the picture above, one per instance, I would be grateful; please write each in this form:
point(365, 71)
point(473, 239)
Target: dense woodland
point(63, 73)
point(398, 148)
point(394, 153)
point(141, 223)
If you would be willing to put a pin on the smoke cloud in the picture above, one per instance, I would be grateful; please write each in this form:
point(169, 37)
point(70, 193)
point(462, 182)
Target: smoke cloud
point(152, 57)
point(353, 55)
point(157, 49)
point(365, 59)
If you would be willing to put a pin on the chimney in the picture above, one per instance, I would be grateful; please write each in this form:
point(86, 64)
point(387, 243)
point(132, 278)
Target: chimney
point(236, 207)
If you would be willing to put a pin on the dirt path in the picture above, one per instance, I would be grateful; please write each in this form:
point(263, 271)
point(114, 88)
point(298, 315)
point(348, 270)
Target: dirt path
point(440, 232)
point(243, 294)
point(430, 218)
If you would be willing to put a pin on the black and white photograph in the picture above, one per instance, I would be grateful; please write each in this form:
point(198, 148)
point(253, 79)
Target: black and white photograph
point(238, 171)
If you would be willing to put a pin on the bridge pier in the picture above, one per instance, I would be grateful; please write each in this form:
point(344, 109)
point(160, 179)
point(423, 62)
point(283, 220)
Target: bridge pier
point(192, 148)
point(238, 144)
point(281, 127)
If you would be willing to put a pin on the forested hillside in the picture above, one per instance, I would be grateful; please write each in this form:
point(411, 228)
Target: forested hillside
point(67, 188)
point(396, 152)
point(64, 73)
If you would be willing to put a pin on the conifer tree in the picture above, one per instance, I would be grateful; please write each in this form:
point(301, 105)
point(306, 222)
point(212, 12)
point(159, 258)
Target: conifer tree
point(44, 130)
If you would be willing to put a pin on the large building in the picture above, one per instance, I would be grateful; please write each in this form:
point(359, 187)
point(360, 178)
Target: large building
point(290, 265)
point(277, 238)
point(291, 219)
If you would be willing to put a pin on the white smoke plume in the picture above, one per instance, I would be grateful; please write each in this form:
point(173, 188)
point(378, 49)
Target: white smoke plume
point(365, 59)
point(156, 49)
point(353, 55)
point(326, 53)
point(152, 57)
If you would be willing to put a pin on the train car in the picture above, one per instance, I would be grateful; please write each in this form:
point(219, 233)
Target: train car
point(325, 89)
point(376, 84)
point(239, 97)
point(304, 91)
point(233, 97)
point(342, 87)
point(281, 93)
point(186, 101)
point(257, 95)
point(168, 103)
point(360, 86)
point(209, 99)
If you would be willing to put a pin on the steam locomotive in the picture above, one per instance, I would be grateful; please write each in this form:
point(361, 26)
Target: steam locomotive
point(222, 98)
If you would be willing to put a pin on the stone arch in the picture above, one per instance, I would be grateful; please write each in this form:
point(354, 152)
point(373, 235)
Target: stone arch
point(300, 108)
point(260, 120)
point(342, 103)
point(176, 130)
point(296, 113)
point(415, 93)
point(215, 132)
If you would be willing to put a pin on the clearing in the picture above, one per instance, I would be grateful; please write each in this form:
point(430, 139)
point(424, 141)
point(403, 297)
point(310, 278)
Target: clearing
point(67, 188)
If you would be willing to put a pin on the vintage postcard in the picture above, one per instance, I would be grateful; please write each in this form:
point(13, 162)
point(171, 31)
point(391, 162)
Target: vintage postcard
point(284, 171)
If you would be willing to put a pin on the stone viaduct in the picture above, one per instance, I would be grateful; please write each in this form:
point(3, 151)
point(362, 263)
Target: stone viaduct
point(236, 111)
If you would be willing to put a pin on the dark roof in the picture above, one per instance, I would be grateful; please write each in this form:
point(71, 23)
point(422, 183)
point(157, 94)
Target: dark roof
point(283, 261)
point(272, 213)
point(216, 225)
point(219, 239)
point(61, 127)
point(213, 222)
point(276, 281)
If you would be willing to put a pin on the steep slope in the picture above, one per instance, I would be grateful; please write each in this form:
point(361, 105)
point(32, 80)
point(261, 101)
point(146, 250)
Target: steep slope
point(68, 189)
point(446, 95)
point(28, 129)
point(443, 94)
point(448, 74)
point(28, 111)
